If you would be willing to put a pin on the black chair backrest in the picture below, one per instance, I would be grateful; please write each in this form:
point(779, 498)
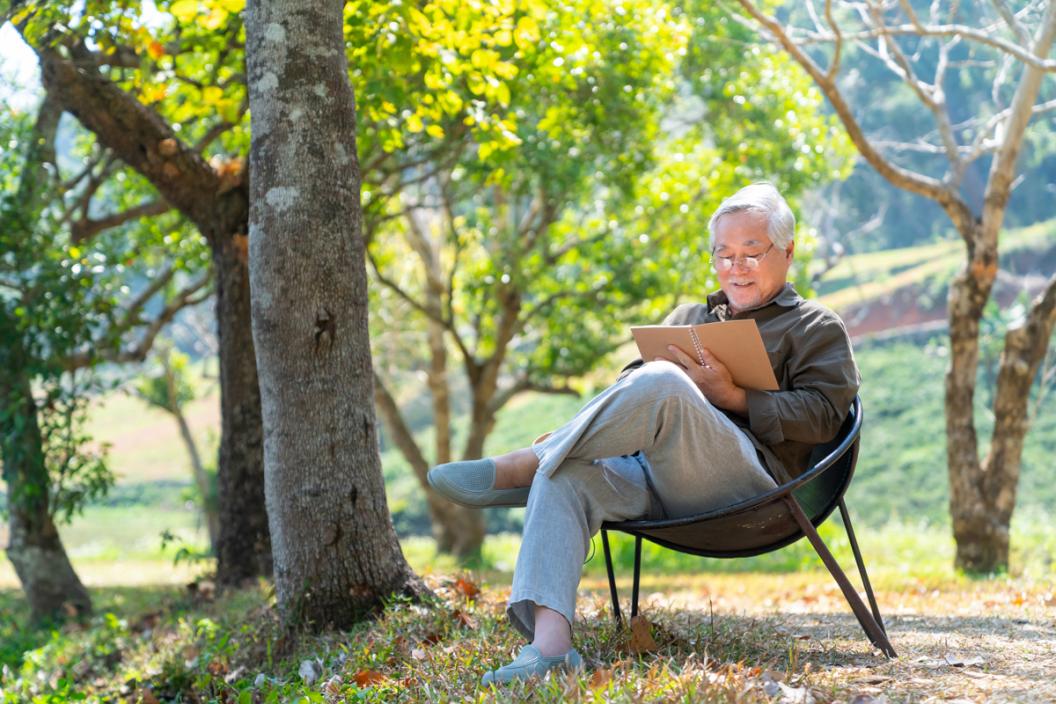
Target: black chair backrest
point(764, 523)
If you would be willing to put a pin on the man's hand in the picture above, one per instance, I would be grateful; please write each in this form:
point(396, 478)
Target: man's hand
point(713, 379)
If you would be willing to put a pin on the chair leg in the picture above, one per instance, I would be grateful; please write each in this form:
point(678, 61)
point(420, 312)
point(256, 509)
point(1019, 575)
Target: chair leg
point(869, 625)
point(637, 573)
point(861, 564)
point(612, 578)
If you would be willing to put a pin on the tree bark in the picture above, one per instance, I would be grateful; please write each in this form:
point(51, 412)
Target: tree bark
point(34, 546)
point(244, 545)
point(140, 137)
point(336, 553)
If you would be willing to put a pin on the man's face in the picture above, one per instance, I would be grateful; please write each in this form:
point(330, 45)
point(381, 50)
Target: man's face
point(743, 234)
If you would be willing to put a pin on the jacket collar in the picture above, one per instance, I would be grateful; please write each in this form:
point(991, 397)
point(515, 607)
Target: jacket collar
point(787, 297)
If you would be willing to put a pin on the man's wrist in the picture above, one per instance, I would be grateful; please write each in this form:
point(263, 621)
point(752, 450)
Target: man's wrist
point(736, 400)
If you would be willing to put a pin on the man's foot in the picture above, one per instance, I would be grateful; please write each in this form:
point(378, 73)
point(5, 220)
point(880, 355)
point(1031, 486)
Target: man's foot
point(530, 663)
point(472, 483)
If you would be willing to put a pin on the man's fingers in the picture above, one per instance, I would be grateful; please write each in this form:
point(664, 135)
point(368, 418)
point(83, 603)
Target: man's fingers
point(684, 359)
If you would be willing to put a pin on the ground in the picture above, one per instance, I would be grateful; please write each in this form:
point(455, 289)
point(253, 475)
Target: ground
point(714, 637)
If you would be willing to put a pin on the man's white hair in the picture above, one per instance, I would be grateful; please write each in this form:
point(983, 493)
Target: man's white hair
point(760, 198)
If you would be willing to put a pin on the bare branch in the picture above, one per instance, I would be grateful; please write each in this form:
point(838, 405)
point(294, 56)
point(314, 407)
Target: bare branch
point(931, 95)
point(1000, 177)
point(834, 65)
point(1011, 21)
point(522, 385)
point(133, 307)
point(946, 30)
point(139, 352)
point(82, 230)
point(904, 178)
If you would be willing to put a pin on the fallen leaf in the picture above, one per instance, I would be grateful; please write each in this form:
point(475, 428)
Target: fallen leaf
point(366, 678)
point(600, 678)
point(466, 588)
point(147, 697)
point(641, 637)
point(463, 619)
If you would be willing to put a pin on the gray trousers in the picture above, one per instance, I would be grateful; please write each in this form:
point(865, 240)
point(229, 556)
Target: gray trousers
point(653, 427)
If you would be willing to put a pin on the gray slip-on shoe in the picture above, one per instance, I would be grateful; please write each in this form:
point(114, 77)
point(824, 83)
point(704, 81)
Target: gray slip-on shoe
point(472, 483)
point(530, 663)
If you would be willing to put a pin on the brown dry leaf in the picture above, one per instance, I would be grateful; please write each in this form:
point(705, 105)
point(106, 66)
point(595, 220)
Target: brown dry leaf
point(216, 667)
point(600, 678)
point(641, 636)
point(367, 678)
point(147, 697)
point(463, 619)
point(466, 588)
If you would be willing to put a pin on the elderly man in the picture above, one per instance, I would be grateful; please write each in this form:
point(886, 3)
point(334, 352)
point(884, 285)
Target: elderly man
point(671, 437)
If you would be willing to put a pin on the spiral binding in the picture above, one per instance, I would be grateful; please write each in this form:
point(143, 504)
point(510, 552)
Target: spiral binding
point(696, 345)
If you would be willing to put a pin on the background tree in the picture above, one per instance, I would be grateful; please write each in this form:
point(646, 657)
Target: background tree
point(168, 99)
point(64, 308)
point(1011, 48)
point(547, 178)
point(170, 388)
point(336, 553)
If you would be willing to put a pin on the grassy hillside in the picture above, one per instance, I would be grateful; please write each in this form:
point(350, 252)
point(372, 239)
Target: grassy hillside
point(862, 277)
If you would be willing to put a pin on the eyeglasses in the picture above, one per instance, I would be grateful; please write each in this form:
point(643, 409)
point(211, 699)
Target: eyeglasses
point(750, 262)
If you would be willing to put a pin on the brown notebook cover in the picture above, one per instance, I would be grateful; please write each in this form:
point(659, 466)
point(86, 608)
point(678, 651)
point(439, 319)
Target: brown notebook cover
point(736, 343)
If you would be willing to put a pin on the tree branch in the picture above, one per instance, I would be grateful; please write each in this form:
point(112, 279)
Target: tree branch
point(948, 30)
point(999, 182)
point(903, 178)
point(522, 385)
point(138, 352)
point(82, 230)
point(135, 133)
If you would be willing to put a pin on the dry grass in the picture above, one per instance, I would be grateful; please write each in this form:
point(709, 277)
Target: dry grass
point(739, 637)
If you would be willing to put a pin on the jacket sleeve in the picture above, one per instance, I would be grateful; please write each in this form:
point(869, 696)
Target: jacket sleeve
point(823, 380)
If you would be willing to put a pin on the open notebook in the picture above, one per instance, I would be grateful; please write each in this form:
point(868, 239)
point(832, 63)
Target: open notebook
point(735, 343)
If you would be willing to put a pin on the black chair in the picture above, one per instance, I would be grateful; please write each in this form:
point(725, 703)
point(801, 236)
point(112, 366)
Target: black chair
point(768, 522)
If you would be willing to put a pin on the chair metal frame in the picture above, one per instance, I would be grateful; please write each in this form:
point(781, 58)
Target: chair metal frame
point(778, 519)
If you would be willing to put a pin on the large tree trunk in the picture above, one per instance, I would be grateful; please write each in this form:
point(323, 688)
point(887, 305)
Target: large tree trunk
point(244, 544)
point(981, 538)
point(139, 136)
point(336, 553)
point(34, 546)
